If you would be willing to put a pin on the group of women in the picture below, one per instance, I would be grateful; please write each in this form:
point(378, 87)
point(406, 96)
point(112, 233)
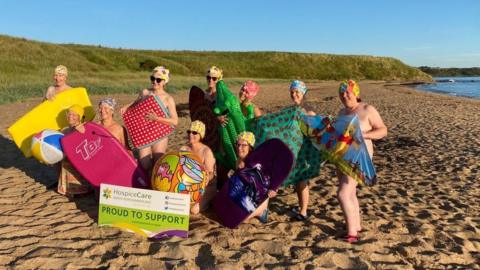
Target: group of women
point(371, 124)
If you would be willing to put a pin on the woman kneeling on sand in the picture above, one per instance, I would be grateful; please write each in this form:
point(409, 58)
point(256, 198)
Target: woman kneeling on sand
point(160, 77)
point(60, 77)
point(70, 182)
point(196, 133)
point(245, 143)
point(373, 128)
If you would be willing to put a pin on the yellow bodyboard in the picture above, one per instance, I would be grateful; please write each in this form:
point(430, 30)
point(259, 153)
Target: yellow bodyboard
point(49, 115)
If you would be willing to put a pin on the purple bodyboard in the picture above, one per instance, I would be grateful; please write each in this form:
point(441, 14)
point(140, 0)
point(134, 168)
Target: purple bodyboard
point(265, 169)
point(100, 158)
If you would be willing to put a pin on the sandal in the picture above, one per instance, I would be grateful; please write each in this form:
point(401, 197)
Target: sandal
point(300, 217)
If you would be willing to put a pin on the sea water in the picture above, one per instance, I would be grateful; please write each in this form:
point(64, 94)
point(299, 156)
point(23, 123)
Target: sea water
point(454, 86)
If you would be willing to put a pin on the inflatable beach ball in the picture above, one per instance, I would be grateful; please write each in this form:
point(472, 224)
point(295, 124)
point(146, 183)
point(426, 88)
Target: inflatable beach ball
point(180, 172)
point(46, 146)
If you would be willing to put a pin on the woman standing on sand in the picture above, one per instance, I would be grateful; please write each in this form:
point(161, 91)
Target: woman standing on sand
point(160, 77)
point(60, 78)
point(196, 133)
point(214, 74)
point(373, 128)
point(298, 89)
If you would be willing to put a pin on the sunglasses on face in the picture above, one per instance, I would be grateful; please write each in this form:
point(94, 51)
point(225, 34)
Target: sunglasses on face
point(192, 132)
point(211, 78)
point(243, 145)
point(158, 80)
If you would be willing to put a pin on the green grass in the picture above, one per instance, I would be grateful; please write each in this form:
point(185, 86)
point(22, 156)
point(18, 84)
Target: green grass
point(26, 67)
point(451, 72)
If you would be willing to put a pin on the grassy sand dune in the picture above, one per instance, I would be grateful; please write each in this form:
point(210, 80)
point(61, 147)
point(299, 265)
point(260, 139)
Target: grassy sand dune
point(26, 67)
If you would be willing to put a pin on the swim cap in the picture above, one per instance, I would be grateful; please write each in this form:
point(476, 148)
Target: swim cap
point(250, 88)
point(216, 72)
point(77, 109)
point(162, 73)
point(61, 70)
point(110, 102)
point(299, 85)
point(248, 137)
point(349, 85)
point(199, 127)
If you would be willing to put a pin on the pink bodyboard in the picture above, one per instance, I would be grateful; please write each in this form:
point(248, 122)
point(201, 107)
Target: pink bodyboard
point(144, 132)
point(100, 158)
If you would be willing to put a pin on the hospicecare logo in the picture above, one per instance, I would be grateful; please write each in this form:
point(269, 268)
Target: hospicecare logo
point(134, 194)
point(107, 193)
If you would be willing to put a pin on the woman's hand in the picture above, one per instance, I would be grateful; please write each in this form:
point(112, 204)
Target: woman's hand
point(124, 109)
point(50, 94)
point(152, 116)
point(223, 119)
point(272, 193)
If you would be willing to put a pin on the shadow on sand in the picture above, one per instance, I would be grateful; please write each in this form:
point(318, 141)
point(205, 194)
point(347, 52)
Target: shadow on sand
point(11, 156)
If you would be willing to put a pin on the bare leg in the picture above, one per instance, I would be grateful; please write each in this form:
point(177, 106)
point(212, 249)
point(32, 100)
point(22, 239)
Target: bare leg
point(354, 199)
point(195, 209)
point(303, 196)
point(347, 197)
point(159, 149)
point(210, 192)
point(259, 211)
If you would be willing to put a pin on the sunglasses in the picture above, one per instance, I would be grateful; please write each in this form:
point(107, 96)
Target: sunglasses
point(243, 144)
point(158, 80)
point(211, 78)
point(192, 132)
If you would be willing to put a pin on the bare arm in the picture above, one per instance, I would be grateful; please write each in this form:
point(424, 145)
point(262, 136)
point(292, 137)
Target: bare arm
point(172, 120)
point(142, 93)
point(379, 130)
point(118, 133)
point(209, 164)
point(257, 112)
point(310, 113)
point(185, 148)
point(49, 94)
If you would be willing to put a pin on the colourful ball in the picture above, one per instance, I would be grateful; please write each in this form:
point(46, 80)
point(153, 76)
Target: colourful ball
point(46, 146)
point(180, 172)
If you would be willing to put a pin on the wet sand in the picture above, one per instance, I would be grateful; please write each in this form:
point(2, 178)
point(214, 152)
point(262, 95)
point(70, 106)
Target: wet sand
point(423, 214)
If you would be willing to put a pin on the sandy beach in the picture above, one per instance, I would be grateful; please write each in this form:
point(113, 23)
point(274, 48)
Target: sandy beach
point(423, 214)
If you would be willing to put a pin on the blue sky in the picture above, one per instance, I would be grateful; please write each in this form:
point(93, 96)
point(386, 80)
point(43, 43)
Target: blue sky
point(434, 33)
